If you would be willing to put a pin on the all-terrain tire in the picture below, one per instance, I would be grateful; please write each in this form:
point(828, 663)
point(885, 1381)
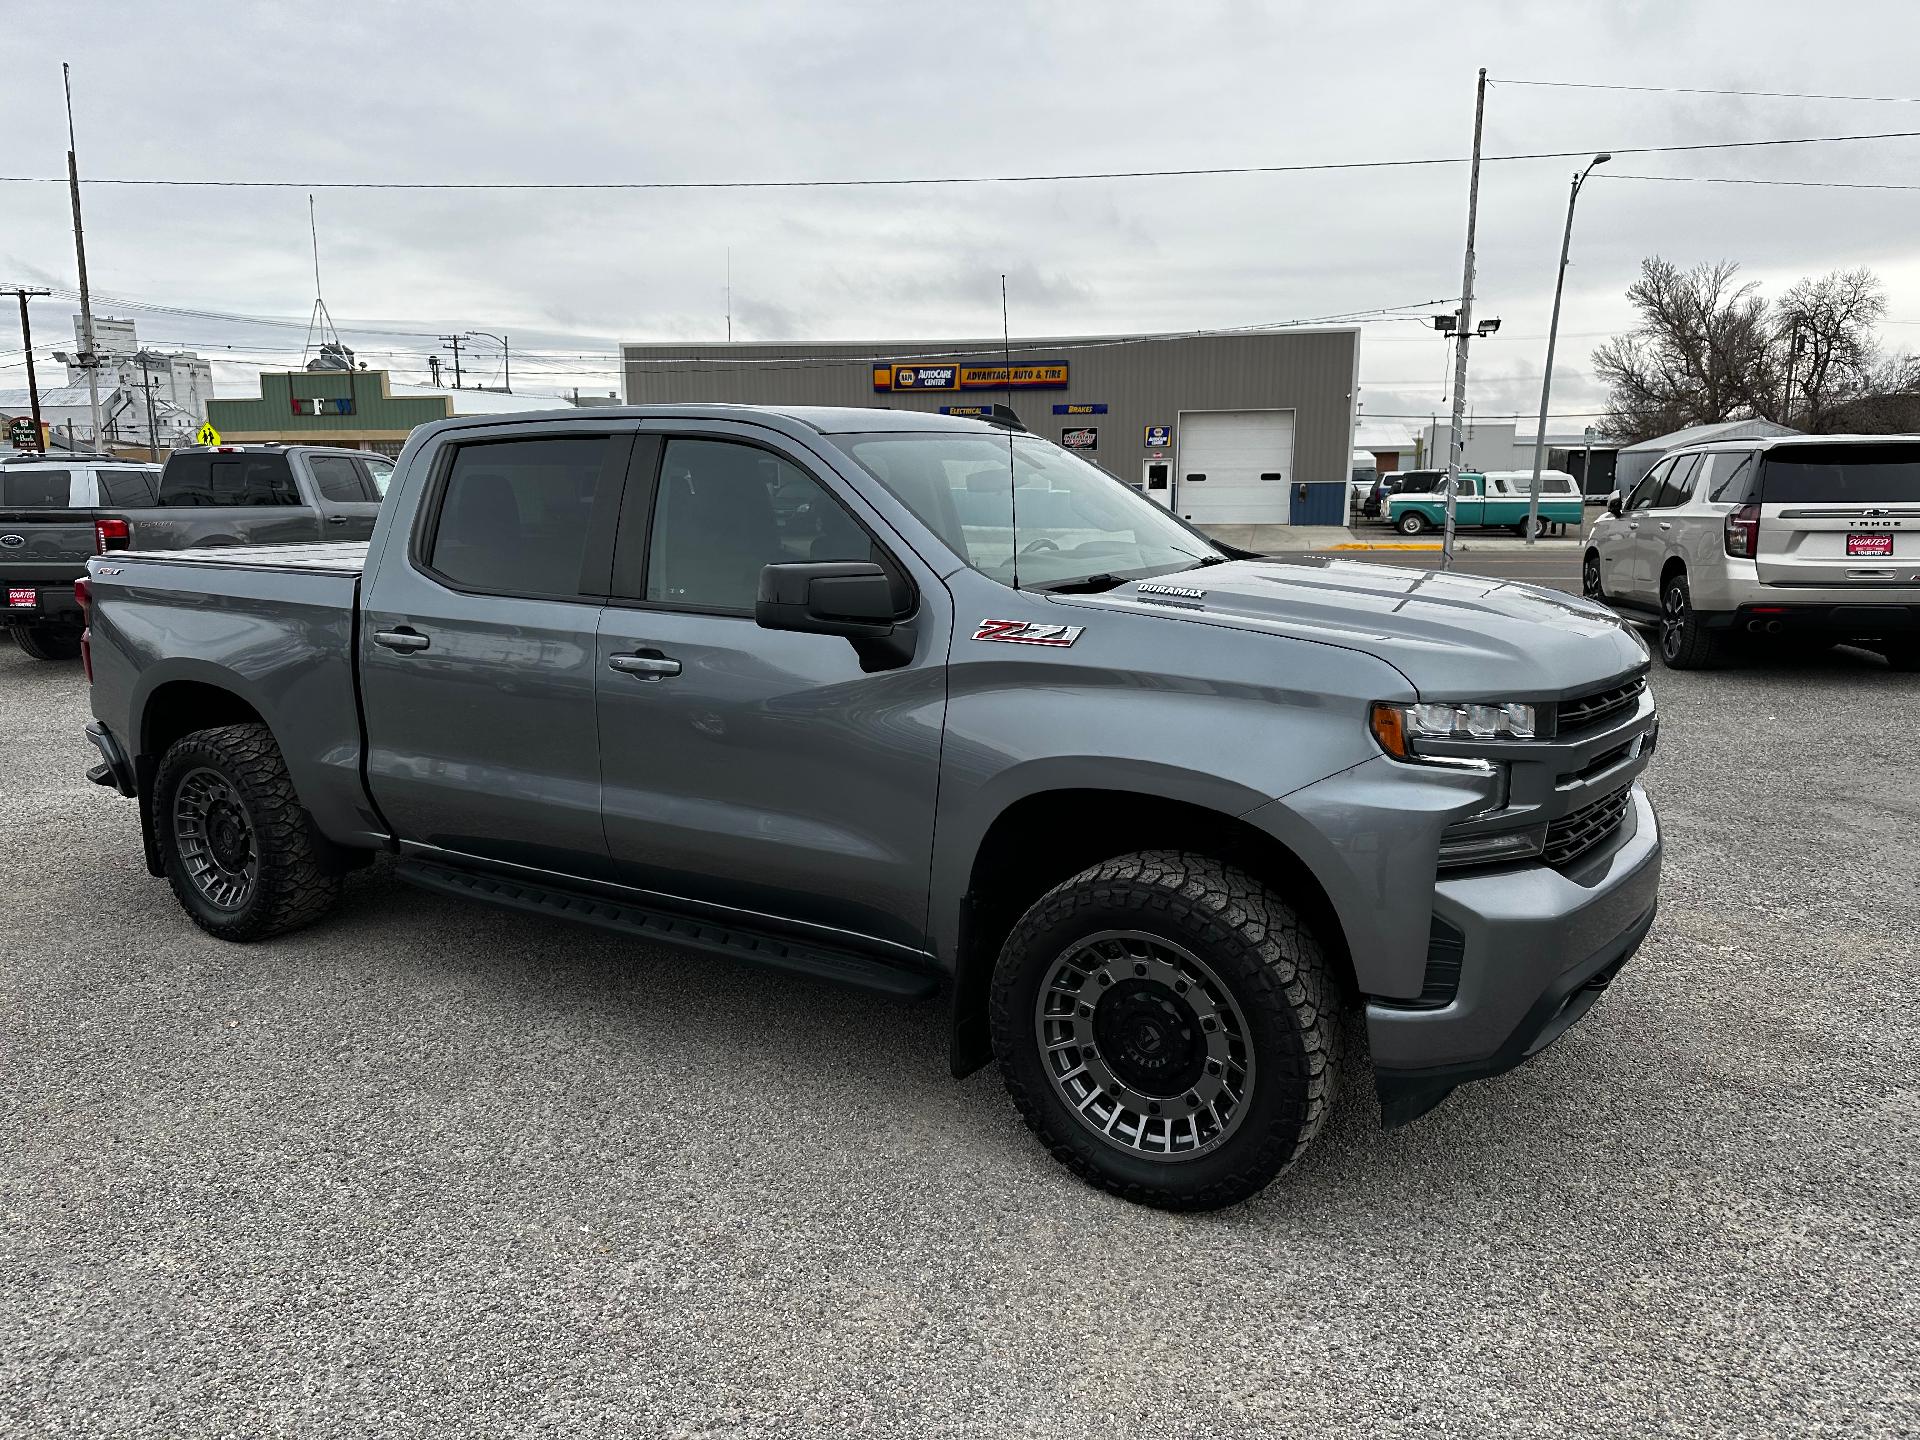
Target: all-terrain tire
point(1685, 642)
point(48, 642)
point(1262, 954)
point(293, 879)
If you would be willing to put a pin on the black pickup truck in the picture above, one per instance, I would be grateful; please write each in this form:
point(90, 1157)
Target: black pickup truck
point(56, 514)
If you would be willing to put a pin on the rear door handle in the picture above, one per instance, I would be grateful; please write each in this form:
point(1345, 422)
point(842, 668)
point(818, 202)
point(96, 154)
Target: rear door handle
point(404, 641)
point(1633, 524)
point(336, 519)
point(1666, 524)
point(648, 665)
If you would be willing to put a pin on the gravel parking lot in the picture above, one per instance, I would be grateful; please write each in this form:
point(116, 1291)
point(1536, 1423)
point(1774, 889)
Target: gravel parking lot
point(432, 1169)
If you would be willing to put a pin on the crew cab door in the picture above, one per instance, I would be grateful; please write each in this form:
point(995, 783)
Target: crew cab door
point(1616, 541)
point(759, 769)
point(478, 635)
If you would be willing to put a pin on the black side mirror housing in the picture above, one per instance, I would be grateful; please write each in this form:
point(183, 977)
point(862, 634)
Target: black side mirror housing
point(850, 598)
point(1615, 504)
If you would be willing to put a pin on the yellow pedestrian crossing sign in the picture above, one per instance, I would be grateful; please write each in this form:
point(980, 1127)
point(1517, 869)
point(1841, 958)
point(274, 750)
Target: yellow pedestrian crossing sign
point(206, 435)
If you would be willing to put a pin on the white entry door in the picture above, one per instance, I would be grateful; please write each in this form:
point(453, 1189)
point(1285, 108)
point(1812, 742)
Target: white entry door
point(1234, 466)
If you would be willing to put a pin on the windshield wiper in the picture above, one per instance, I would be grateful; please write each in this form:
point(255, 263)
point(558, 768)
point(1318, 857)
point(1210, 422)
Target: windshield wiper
point(1085, 585)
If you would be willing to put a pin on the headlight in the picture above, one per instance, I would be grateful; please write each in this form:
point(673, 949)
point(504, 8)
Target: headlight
point(1400, 728)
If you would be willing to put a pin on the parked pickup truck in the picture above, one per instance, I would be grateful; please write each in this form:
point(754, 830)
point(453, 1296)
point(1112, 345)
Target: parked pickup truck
point(1499, 499)
point(910, 702)
point(55, 514)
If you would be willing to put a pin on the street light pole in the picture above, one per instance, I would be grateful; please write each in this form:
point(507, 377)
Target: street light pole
point(1553, 334)
point(505, 351)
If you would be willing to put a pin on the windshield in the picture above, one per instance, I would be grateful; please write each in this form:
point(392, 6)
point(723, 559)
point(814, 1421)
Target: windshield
point(1074, 521)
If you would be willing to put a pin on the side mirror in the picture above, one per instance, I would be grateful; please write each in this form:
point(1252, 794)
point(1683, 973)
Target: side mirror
point(1615, 503)
point(851, 598)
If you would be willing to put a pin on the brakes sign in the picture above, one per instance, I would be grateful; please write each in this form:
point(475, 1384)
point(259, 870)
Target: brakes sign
point(1869, 544)
point(22, 597)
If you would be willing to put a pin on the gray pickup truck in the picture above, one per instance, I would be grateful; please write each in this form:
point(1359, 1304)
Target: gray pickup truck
point(55, 513)
point(915, 702)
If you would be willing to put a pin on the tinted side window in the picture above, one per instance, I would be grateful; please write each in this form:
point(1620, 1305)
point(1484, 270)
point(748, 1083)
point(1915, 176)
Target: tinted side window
point(515, 515)
point(1678, 485)
point(236, 478)
point(338, 479)
point(125, 489)
point(36, 489)
point(1649, 486)
point(187, 480)
point(1731, 480)
point(723, 510)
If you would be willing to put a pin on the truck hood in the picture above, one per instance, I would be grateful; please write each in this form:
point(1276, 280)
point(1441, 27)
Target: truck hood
point(1454, 636)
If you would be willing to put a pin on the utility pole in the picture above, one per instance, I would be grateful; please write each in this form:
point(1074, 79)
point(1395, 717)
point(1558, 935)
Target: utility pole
point(26, 342)
point(433, 369)
point(1464, 330)
point(453, 341)
point(153, 430)
point(80, 253)
point(1553, 334)
point(506, 351)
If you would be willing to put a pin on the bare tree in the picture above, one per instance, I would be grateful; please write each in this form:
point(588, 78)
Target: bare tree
point(1824, 328)
point(1703, 351)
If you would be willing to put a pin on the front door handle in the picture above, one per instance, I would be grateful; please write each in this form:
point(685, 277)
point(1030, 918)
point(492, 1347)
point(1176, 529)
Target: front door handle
point(336, 519)
point(648, 665)
point(1666, 524)
point(403, 641)
point(1633, 524)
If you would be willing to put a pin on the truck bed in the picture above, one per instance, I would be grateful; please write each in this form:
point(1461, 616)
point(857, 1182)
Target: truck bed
point(273, 624)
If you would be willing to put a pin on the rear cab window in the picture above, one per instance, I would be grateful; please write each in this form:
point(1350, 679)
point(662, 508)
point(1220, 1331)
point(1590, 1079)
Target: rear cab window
point(235, 478)
point(1872, 474)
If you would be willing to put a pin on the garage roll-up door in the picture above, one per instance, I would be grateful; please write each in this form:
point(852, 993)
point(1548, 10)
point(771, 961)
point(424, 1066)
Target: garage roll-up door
point(1233, 449)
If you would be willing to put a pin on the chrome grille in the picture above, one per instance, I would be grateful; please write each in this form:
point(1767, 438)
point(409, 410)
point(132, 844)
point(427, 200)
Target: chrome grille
point(1577, 832)
point(1584, 710)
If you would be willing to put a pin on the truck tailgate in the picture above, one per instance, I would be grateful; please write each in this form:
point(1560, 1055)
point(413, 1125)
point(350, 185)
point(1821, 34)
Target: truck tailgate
point(274, 626)
point(44, 547)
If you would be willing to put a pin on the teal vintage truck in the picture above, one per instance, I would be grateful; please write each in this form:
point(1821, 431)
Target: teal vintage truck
point(1496, 499)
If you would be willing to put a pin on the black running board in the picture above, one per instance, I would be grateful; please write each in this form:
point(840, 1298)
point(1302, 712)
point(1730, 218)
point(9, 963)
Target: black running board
point(760, 947)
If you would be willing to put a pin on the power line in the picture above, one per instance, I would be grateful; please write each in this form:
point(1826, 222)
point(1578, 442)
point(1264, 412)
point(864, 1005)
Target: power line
point(611, 185)
point(1701, 90)
point(1742, 180)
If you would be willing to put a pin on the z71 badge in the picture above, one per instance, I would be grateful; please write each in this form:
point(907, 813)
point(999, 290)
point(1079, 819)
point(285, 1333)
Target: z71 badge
point(1026, 632)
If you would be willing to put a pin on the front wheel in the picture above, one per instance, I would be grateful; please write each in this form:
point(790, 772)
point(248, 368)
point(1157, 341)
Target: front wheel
point(1591, 585)
point(241, 853)
point(1165, 1024)
point(1412, 523)
point(48, 642)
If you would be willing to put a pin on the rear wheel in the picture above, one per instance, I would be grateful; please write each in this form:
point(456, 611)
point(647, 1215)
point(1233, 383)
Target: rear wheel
point(1412, 523)
point(1165, 1024)
point(240, 851)
point(48, 642)
point(1685, 643)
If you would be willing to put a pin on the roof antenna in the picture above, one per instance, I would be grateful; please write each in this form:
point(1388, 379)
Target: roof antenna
point(1006, 364)
point(320, 323)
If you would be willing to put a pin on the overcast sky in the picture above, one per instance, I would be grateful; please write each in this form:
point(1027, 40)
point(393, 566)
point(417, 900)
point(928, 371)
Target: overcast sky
point(816, 89)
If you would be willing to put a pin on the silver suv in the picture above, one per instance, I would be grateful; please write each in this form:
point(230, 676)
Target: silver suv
point(1808, 536)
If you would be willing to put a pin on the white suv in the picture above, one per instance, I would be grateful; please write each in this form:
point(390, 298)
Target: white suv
point(1816, 536)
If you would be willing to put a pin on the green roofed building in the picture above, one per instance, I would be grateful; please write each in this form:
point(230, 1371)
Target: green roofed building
point(360, 409)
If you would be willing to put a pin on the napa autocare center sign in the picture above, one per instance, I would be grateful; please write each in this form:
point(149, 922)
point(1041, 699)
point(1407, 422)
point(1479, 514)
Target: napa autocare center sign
point(896, 379)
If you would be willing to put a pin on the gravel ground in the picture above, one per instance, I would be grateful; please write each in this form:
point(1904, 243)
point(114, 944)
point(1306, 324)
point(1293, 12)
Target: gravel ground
point(434, 1170)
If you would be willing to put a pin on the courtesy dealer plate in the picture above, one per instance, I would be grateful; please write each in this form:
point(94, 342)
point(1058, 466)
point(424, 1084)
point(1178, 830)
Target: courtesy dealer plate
point(1858, 544)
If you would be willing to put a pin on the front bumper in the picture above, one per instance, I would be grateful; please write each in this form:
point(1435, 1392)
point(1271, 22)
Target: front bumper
point(1537, 947)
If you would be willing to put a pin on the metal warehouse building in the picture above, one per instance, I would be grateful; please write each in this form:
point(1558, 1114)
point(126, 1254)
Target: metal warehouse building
point(1224, 429)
